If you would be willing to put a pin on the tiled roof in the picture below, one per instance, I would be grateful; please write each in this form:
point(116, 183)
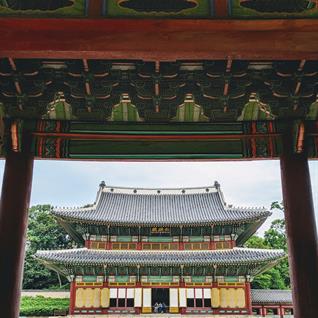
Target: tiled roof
point(271, 296)
point(130, 206)
point(234, 256)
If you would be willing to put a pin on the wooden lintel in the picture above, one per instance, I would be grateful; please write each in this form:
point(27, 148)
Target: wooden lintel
point(165, 40)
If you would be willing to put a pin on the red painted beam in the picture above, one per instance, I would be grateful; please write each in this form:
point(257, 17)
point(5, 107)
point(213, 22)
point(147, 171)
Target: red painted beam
point(158, 39)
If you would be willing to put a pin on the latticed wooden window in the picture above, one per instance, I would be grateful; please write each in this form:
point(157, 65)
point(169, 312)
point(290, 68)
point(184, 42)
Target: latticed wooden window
point(206, 230)
point(134, 231)
point(113, 230)
point(186, 231)
point(124, 231)
point(196, 231)
point(175, 271)
point(208, 270)
point(175, 231)
point(227, 229)
point(198, 271)
point(132, 271)
point(145, 231)
point(112, 270)
point(122, 270)
point(100, 271)
point(217, 230)
point(165, 271)
point(144, 271)
point(154, 271)
point(187, 271)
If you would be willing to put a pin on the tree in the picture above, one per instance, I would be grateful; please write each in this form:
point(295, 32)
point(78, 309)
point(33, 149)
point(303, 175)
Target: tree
point(43, 233)
point(274, 237)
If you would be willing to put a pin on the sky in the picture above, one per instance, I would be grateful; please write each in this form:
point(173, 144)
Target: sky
point(75, 183)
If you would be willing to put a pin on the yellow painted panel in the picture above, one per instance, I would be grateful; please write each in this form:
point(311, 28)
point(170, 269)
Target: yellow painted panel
point(146, 310)
point(223, 297)
point(96, 300)
point(215, 298)
point(173, 309)
point(231, 293)
point(89, 301)
point(240, 298)
point(104, 298)
point(79, 298)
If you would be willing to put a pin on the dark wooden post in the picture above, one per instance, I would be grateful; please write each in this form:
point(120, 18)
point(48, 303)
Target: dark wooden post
point(14, 204)
point(301, 229)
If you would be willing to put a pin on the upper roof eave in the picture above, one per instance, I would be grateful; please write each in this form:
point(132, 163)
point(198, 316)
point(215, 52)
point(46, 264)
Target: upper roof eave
point(164, 207)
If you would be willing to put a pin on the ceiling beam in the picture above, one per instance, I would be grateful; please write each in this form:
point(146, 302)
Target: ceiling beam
point(165, 40)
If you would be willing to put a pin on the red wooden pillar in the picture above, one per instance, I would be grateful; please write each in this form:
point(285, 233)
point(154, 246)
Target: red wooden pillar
point(72, 297)
point(14, 204)
point(264, 311)
point(301, 229)
point(248, 298)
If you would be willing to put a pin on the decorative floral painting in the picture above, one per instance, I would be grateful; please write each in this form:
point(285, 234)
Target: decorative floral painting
point(161, 8)
point(275, 8)
point(43, 8)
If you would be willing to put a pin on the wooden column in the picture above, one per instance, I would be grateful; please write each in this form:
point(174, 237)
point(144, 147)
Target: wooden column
point(301, 229)
point(14, 204)
point(72, 296)
point(248, 297)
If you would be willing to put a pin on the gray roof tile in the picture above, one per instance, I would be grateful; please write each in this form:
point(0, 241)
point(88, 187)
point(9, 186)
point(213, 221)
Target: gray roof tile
point(192, 206)
point(234, 256)
point(271, 296)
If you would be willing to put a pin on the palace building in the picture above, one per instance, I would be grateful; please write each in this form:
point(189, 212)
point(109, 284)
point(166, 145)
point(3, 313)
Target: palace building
point(180, 247)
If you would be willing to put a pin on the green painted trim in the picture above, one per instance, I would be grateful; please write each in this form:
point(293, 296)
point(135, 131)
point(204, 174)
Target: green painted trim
point(89, 279)
point(122, 279)
point(141, 133)
point(196, 238)
point(124, 239)
point(157, 156)
point(160, 279)
point(198, 279)
point(159, 239)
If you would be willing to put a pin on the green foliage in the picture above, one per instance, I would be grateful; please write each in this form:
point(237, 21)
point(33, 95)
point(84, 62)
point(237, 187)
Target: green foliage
point(40, 306)
point(43, 233)
point(256, 242)
point(274, 238)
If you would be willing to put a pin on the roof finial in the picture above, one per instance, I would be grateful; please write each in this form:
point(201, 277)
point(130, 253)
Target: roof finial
point(102, 185)
point(217, 185)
